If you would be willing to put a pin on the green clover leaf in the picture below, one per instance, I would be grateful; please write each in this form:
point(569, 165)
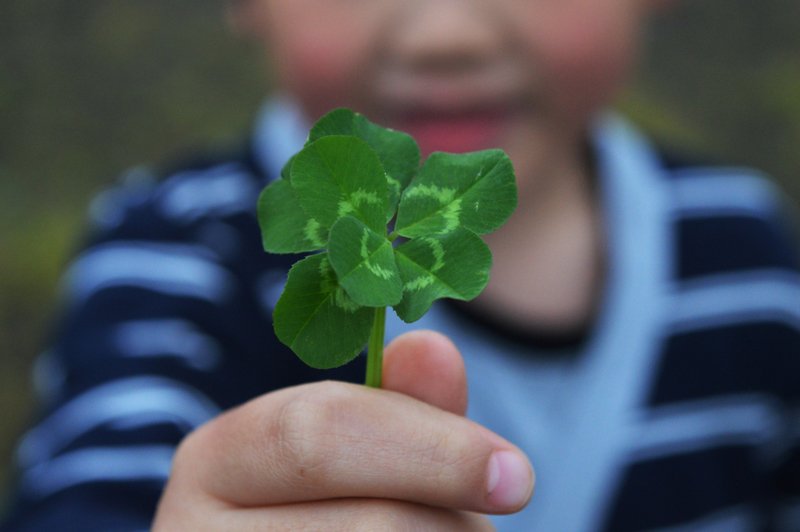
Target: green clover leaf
point(454, 265)
point(474, 190)
point(398, 152)
point(336, 176)
point(364, 264)
point(286, 171)
point(317, 319)
point(285, 226)
point(338, 194)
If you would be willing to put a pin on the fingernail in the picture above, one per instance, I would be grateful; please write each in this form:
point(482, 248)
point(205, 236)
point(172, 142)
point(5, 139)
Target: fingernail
point(510, 480)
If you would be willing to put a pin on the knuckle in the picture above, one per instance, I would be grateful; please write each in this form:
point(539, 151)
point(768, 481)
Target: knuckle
point(193, 463)
point(451, 457)
point(305, 432)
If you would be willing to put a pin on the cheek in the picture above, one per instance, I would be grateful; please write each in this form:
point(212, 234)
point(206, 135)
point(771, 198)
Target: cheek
point(320, 57)
point(316, 67)
point(586, 55)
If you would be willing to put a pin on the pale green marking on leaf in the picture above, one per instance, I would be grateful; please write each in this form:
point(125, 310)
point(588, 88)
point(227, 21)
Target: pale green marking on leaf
point(452, 216)
point(336, 170)
point(356, 199)
point(328, 276)
point(343, 301)
point(456, 266)
point(438, 253)
point(364, 263)
point(394, 190)
point(311, 232)
point(362, 196)
point(419, 283)
point(329, 283)
point(325, 268)
point(345, 208)
point(443, 194)
point(394, 183)
point(483, 181)
point(381, 272)
point(285, 226)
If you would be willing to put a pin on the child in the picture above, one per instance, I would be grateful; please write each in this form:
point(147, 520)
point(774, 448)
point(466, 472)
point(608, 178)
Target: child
point(638, 340)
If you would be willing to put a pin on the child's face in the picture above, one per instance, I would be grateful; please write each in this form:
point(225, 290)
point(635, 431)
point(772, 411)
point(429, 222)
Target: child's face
point(459, 75)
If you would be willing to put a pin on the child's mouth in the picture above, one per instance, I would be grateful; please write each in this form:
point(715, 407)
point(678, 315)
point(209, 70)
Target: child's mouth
point(456, 132)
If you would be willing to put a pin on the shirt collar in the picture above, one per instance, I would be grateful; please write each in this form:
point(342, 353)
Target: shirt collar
point(281, 130)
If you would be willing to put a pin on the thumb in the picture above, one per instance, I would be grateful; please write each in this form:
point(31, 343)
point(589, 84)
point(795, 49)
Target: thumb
point(427, 366)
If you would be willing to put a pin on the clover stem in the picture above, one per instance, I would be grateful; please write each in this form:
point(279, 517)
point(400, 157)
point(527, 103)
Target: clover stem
point(375, 349)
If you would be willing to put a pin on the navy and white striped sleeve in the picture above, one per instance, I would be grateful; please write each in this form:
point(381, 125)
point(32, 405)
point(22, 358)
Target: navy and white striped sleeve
point(720, 445)
point(166, 323)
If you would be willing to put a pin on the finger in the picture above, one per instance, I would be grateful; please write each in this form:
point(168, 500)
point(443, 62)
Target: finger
point(352, 515)
point(335, 440)
point(427, 366)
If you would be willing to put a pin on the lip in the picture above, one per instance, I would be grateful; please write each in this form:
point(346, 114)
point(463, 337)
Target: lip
point(456, 131)
point(466, 108)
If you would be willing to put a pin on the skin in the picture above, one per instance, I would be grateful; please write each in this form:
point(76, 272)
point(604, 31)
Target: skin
point(459, 75)
point(314, 457)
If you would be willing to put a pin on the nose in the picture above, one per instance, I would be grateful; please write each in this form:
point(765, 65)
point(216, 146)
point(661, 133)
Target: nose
point(441, 36)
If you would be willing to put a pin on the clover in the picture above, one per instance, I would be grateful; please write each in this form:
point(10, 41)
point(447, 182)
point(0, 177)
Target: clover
point(337, 199)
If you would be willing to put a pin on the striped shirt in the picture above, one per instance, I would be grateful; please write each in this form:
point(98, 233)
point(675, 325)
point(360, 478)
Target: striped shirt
point(678, 411)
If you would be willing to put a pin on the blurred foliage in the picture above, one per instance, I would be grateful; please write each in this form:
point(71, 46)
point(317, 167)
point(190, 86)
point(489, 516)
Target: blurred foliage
point(90, 88)
point(721, 80)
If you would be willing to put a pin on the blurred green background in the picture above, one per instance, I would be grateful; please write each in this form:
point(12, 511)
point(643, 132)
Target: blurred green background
point(91, 88)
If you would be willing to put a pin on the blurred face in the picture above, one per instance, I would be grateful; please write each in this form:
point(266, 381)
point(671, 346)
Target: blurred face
point(458, 75)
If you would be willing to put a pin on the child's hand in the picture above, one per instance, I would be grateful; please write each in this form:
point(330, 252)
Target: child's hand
point(334, 456)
